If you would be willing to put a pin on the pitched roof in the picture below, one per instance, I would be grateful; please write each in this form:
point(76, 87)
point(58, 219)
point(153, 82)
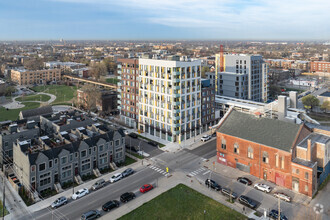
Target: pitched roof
point(37, 111)
point(270, 132)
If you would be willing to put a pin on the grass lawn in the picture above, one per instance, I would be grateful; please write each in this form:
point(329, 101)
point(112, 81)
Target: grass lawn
point(182, 202)
point(63, 93)
point(319, 117)
point(1, 209)
point(12, 114)
point(42, 97)
point(112, 80)
point(134, 154)
point(129, 161)
point(159, 144)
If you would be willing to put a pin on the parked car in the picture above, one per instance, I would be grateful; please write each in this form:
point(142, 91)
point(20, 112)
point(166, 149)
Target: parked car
point(133, 135)
point(263, 187)
point(274, 215)
point(59, 202)
point(244, 180)
point(110, 205)
point(128, 196)
point(229, 193)
point(214, 134)
point(205, 138)
point(247, 201)
point(127, 172)
point(146, 188)
point(282, 196)
point(126, 132)
point(212, 184)
point(153, 143)
point(80, 193)
point(116, 177)
point(92, 214)
point(98, 184)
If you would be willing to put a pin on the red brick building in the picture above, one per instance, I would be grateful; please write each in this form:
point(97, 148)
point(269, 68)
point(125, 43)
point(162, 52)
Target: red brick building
point(320, 66)
point(271, 149)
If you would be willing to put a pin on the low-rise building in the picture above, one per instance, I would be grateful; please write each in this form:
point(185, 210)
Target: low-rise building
point(30, 77)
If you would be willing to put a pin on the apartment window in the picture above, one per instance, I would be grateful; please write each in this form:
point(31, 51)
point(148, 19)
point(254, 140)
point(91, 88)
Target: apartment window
point(297, 171)
point(90, 151)
point(71, 157)
point(100, 148)
point(33, 168)
point(276, 160)
point(63, 160)
point(265, 157)
point(76, 155)
point(55, 161)
point(236, 148)
point(250, 152)
point(50, 164)
point(306, 175)
point(42, 166)
point(111, 143)
point(83, 153)
point(223, 144)
point(117, 143)
point(306, 188)
point(282, 162)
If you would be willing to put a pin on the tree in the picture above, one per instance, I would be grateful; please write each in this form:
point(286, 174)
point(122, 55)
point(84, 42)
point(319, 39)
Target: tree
point(325, 106)
point(310, 101)
point(110, 65)
point(204, 70)
point(34, 64)
point(93, 94)
point(98, 69)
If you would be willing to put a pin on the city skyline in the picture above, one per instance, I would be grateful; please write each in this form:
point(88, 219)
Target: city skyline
point(172, 20)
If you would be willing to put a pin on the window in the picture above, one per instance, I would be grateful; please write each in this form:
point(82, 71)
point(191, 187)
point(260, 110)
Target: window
point(50, 164)
point(83, 153)
point(265, 157)
point(306, 188)
point(55, 161)
point(76, 154)
point(282, 162)
point(117, 142)
point(250, 152)
point(33, 179)
point(101, 148)
point(90, 151)
point(276, 160)
point(111, 143)
point(63, 160)
point(42, 166)
point(236, 148)
point(33, 168)
point(297, 171)
point(71, 157)
point(223, 144)
point(306, 175)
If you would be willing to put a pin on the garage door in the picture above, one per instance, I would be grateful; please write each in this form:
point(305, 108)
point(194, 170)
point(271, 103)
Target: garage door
point(243, 167)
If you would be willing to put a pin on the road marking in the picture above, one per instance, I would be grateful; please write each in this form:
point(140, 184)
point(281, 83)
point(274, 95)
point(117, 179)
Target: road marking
point(157, 169)
point(163, 172)
point(206, 172)
point(191, 174)
point(195, 173)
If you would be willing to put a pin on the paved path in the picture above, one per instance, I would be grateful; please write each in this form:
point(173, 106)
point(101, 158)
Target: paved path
point(17, 104)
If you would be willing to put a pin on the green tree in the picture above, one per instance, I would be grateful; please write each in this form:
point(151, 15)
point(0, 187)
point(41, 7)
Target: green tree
point(325, 106)
point(310, 101)
point(204, 70)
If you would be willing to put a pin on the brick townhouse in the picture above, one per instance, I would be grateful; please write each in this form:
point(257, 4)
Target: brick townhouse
point(277, 151)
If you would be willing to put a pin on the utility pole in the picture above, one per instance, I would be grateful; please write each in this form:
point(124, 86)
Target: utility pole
point(3, 190)
point(279, 209)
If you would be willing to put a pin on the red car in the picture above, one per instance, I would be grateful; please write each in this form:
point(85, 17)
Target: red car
point(146, 188)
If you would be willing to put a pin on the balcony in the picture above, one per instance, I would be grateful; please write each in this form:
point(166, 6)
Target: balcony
point(119, 71)
point(176, 95)
point(176, 125)
point(175, 73)
point(118, 89)
point(176, 103)
point(176, 87)
point(119, 77)
point(176, 117)
point(119, 96)
point(176, 80)
point(119, 102)
point(119, 84)
point(119, 107)
point(176, 110)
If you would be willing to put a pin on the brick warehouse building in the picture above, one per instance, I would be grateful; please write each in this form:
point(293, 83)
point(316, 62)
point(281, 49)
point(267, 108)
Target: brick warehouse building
point(271, 149)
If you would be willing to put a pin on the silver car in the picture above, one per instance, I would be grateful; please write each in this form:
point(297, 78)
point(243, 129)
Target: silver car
point(59, 202)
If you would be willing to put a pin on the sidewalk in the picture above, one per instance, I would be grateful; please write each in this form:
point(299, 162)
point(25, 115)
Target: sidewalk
point(233, 173)
point(164, 184)
point(68, 192)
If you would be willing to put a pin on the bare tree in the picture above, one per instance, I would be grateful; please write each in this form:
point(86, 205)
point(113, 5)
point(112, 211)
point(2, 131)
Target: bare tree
point(98, 69)
point(93, 94)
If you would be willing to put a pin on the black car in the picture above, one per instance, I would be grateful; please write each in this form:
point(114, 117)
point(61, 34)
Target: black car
point(274, 214)
point(244, 180)
point(128, 196)
point(110, 205)
point(229, 193)
point(152, 143)
point(212, 184)
point(247, 201)
point(127, 172)
point(133, 135)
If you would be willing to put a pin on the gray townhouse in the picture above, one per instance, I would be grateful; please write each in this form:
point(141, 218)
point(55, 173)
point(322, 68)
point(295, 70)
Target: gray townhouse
point(44, 162)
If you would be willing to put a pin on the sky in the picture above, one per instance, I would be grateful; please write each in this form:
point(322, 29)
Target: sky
point(164, 19)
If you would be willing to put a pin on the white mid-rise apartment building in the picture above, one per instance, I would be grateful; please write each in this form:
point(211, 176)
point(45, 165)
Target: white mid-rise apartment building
point(255, 72)
point(170, 98)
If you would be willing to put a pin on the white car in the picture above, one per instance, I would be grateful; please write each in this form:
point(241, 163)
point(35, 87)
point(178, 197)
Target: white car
point(262, 187)
point(205, 138)
point(282, 196)
point(116, 177)
point(80, 193)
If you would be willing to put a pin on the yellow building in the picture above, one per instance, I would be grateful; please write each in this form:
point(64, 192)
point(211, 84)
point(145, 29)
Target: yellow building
point(29, 77)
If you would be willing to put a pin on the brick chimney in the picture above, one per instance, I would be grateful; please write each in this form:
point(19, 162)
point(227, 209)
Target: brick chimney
point(308, 155)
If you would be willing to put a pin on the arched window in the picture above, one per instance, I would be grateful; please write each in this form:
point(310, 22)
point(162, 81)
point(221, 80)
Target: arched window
point(265, 157)
point(250, 152)
point(236, 148)
point(223, 144)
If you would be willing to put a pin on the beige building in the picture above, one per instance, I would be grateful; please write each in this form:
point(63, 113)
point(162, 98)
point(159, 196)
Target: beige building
point(26, 77)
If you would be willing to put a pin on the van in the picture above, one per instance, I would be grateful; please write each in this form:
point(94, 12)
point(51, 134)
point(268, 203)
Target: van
point(98, 184)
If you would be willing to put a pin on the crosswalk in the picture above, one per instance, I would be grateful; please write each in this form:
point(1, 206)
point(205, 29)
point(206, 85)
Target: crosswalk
point(200, 170)
point(157, 169)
